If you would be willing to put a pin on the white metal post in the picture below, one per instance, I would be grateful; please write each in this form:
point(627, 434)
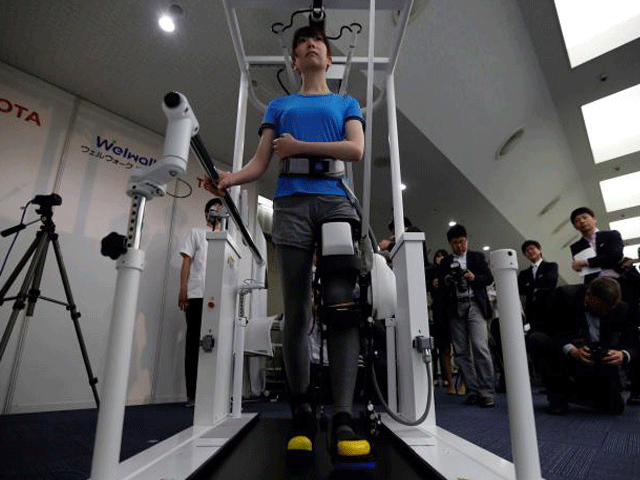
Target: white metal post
point(106, 455)
point(392, 378)
point(241, 123)
point(394, 151)
point(215, 368)
point(524, 444)
point(238, 365)
point(412, 321)
point(368, 134)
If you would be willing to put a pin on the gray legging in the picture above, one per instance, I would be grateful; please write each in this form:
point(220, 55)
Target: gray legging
point(343, 342)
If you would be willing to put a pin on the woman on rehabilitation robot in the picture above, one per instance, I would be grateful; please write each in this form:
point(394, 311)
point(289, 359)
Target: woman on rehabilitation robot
point(313, 124)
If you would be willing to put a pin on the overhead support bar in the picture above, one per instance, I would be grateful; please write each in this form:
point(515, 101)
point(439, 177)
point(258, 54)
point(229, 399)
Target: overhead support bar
point(289, 5)
point(380, 63)
point(403, 21)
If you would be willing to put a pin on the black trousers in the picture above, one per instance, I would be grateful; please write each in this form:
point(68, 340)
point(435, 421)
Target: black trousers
point(596, 386)
point(194, 322)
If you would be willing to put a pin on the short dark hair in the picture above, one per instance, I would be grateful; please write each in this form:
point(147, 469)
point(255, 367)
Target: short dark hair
point(456, 231)
point(312, 31)
point(580, 211)
point(407, 223)
point(530, 242)
point(606, 289)
point(211, 203)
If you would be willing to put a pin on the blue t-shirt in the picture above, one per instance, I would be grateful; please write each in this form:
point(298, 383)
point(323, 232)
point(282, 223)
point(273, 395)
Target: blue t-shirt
point(310, 118)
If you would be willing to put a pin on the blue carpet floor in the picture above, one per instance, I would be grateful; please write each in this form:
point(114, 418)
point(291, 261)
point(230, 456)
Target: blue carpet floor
point(580, 445)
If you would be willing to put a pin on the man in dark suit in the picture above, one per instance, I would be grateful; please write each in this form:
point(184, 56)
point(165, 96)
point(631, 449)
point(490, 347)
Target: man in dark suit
point(536, 284)
point(466, 275)
point(606, 246)
point(594, 340)
point(536, 281)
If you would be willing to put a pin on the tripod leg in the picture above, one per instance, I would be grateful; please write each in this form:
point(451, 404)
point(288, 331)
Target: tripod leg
point(39, 260)
point(74, 316)
point(20, 266)
point(19, 303)
point(39, 244)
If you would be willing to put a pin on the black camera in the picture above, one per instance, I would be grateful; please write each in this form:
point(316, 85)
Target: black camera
point(597, 352)
point(456, 275)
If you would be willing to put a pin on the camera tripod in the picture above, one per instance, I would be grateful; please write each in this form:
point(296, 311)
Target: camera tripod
point(30, 291)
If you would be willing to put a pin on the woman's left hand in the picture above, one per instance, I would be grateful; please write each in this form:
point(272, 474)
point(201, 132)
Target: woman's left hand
point(286, 146)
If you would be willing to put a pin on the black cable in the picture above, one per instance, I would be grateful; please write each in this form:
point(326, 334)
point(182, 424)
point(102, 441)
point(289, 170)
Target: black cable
point(396, 416)
point(280, 80)
point(15, 237)
point(287, 27)
point(182, 196)
point(346, 27)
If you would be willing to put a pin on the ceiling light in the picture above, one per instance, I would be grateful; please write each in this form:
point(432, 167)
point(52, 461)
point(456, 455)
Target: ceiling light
point(509, 143)
point(403, 187)
point(549, 206)
point(621, 192)
point(486, 248)
point(166, 23)
point(631, 251)
point(452, 223)
point(593, 27)
point(612, 124)
point(628, 228)
point(168, 19)
point(560, 226)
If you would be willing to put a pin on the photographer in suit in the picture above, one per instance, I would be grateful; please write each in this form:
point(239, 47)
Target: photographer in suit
point(465, 276)
point(594, 340)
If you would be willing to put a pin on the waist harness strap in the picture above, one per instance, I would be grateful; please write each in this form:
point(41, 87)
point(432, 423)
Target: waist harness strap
point(312, 167)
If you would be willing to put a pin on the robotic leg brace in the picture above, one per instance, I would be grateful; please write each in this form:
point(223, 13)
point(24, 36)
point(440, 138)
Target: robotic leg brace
point(338, 269)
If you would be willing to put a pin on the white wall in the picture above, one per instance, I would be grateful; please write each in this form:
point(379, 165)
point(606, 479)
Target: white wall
point(49, 371)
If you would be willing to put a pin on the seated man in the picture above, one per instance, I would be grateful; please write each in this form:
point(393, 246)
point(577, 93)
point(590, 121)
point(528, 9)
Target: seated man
point(594, 339)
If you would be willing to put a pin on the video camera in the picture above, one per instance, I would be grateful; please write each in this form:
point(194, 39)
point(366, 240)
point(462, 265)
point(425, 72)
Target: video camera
point(456, 276)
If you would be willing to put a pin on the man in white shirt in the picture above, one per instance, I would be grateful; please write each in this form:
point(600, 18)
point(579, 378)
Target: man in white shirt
point(192, 273)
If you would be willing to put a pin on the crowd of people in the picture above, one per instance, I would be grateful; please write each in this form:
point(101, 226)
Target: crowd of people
point(582, 340)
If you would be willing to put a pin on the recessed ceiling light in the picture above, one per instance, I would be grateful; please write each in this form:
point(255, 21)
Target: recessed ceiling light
point(549, 206)
point(592, 27)
point(509, 143)
point(612, 124)
point(631, 251)
point(167, 20)
point(561, 225)
point(621, 192)
point(166, 23)
point(628, 228)
point(486, 248)
point(452, 223)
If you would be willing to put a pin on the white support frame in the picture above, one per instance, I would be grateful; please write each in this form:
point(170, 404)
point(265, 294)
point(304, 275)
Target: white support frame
point(411, 314)
point(451, 456)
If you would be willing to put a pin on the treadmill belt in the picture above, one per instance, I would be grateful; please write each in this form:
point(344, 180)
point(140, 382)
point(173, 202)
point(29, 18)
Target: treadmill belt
point(260, 455)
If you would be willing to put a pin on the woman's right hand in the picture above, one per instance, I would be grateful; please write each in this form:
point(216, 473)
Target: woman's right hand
point(220, 188)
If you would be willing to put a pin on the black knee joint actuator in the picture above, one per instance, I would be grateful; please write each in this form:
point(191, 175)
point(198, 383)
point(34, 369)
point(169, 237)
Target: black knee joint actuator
point(338, 267)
